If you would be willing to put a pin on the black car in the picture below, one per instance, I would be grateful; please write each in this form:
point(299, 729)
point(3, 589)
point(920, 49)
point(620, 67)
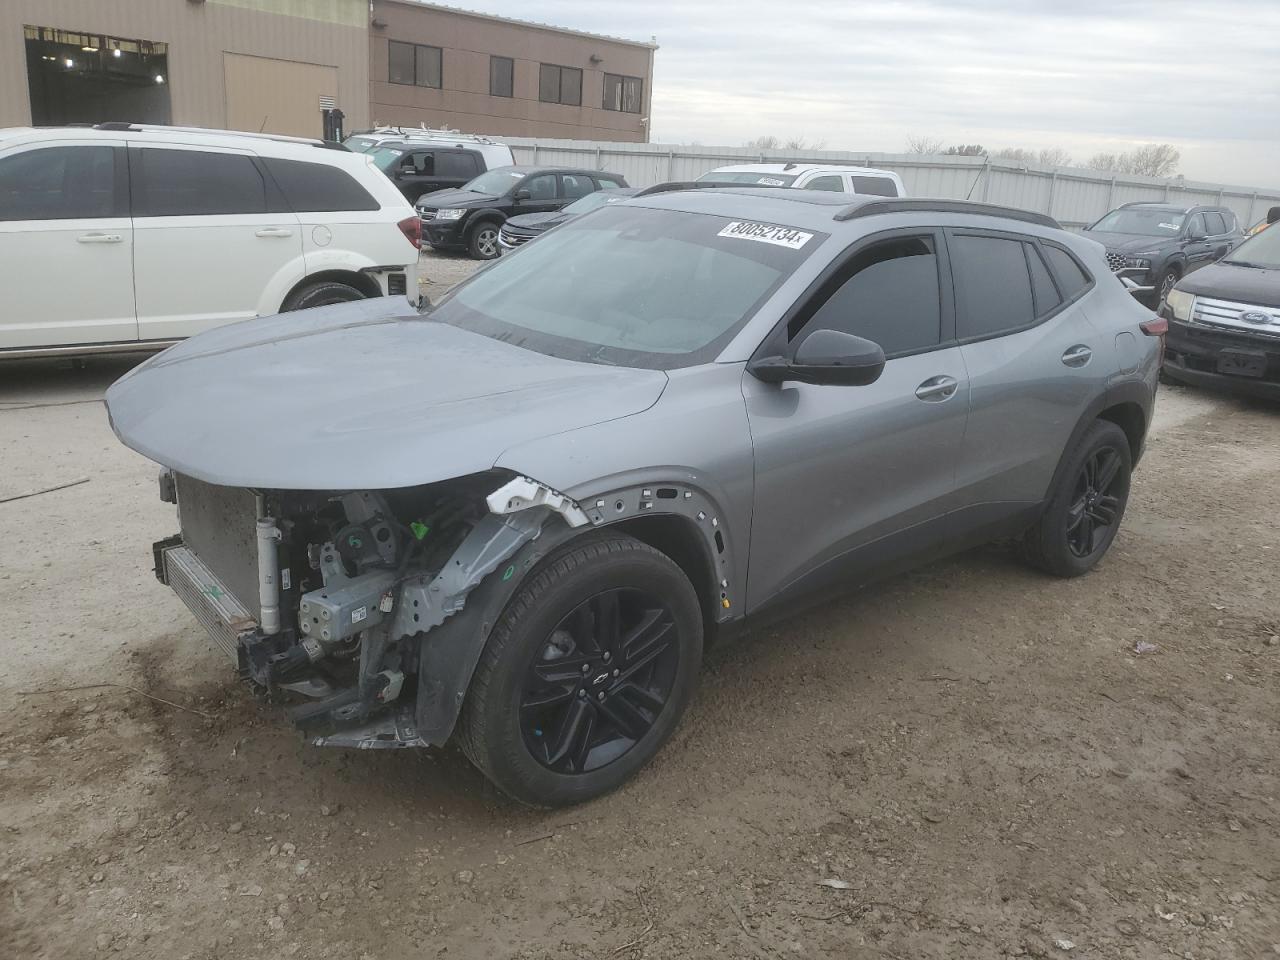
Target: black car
point(421, 168)
point(1157, 244)
point(522, 229)
point(470, 218)
point(1224, 322)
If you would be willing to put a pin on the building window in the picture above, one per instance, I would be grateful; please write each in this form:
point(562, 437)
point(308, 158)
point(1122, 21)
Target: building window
point(560, 85)
point(414, 64)
point(501, 76)
point(625, 94)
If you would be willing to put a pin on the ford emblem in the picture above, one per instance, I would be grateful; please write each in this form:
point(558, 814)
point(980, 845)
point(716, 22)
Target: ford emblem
point(1254, 316)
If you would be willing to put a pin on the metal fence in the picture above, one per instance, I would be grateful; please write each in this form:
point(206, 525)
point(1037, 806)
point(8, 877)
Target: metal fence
point(1073, 196)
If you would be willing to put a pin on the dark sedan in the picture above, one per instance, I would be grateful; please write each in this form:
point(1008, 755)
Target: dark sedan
point(470, 217)
point(520, 230)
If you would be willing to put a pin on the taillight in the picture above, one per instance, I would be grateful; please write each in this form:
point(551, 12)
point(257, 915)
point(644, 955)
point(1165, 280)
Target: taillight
point(411, 227)
point(1155, 327)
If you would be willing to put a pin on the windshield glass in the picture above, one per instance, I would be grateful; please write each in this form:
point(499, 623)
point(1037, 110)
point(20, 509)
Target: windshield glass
point(746, 176)
point(496, 182)
point(359, 144)
point(1260, 250)
point(630, 286)
point(593, 200)
point(1146, 223)
point(385, 157)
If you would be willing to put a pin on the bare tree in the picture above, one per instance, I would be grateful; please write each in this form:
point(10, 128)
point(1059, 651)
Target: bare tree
point(764, 143)
point(1049, 157)
point(1149, 160)
point(965, 150)
point(800, 143)
point(924, 145)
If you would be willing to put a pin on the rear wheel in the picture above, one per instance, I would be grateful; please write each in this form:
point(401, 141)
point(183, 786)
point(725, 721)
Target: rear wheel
point(321, 294)
point(1165, 286)
point(1085, 508)
point(586, 673)
point(483, 241)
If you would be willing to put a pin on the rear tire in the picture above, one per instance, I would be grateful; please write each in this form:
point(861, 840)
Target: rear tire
point(1167, 279)
point(551, 717)
point(482, 241)
point(1086, 506)
point(321, 294)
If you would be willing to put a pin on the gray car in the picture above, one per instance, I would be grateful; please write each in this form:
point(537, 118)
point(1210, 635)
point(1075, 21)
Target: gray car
point(518, 520)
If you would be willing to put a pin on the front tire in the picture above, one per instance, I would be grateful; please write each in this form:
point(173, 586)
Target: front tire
point(482, 242)
point(1086, 506)
point(321, 294)
point(586, 673)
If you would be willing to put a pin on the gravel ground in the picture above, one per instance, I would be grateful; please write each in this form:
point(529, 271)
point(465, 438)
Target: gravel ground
point(975, 752)
point(437, 272)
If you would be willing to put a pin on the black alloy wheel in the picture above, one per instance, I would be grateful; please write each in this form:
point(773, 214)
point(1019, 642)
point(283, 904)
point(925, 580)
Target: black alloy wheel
point(1095, 508)
point(600, 681)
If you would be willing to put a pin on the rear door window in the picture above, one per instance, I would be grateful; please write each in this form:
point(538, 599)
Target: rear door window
point(993, 286)
point(887, 293)
point(59, 183)
point(832, 183)
point(576, 185)
point(875, 186)
point(189, 183)
point(318, 187)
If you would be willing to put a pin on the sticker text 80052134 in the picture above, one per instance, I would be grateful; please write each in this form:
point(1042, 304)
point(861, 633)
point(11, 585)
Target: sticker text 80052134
point(766, 233)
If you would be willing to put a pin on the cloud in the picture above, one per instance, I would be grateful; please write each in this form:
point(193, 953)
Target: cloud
point(1087, 75)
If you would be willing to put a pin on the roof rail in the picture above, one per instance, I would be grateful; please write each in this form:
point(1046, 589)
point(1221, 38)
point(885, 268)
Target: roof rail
point(871, 208)
point(672, 186)
point(166, 128)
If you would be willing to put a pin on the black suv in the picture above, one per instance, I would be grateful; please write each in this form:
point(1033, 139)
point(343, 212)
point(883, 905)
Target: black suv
point(470, 218)
point(421, 168)
point(1156, 244)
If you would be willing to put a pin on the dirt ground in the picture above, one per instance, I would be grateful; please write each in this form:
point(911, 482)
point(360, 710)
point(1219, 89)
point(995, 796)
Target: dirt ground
point(974, 751)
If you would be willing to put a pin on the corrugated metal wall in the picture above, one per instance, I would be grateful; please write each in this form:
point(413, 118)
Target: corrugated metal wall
point(1075, 197)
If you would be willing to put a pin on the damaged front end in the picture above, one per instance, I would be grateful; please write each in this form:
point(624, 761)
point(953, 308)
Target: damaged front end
point(368, 609)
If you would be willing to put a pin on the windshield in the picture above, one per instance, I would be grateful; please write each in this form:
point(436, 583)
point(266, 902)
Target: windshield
point(359, 144)
point(385, 157)
point(496, 182)
point(1260, 250)
point(1146, 223)
point(593, 200)
point(740, 176)
point(631, 286)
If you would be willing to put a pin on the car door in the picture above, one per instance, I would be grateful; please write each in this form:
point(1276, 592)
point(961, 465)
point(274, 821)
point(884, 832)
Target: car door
point(539, 193)
point(1220, 234)
point(1197, 247)
point(853, 479)
point(1034, 359)
point(66, 242)
point(206, 249)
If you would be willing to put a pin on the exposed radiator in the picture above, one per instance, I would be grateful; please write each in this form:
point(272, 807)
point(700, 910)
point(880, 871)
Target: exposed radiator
point(208, 599)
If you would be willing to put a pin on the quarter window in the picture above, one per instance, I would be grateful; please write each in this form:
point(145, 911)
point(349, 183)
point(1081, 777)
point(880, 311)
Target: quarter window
point(993, 287)
point(414, 64)
point(1042, 289)
point(318, 187)
point(834, 184)
point(889, 294)
point(1071, 276)
point(501, 76)
point(185, 183)
point(558, 84)
point(59, 183)
point(625, 94)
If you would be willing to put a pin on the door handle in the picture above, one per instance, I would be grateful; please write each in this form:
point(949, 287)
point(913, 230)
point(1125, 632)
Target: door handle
point(1077, 356)
point(99, 238)
point(937, 389)
point(273, 232)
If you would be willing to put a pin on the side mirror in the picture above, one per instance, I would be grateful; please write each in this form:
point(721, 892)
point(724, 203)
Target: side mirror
point(825, 357)
point(523, 195)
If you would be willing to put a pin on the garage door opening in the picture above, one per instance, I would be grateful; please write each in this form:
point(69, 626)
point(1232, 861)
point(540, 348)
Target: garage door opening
point(89, 78)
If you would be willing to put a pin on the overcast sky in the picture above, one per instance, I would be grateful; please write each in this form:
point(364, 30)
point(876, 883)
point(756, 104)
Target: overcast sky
point(1085, 75)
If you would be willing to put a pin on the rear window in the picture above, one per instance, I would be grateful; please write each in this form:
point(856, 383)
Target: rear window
point(631, 286)
point(875, 186)
point(318, 187)
point(187, 183)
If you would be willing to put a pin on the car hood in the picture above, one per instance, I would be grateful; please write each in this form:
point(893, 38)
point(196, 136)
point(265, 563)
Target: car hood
point(1223, 281)
point(537, 222)
point(455, 198)
point(361, 396)
point(1128, 242)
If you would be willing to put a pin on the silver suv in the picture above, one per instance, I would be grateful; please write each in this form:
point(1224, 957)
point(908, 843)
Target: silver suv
point(517, 520)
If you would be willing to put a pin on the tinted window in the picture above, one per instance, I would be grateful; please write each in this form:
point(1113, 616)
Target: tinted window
point(400, 60)
point(421, 163)
point(993, 288)
point(1214, 224)
point(888, 294)
point(456, 165)
point(875, 186)
point(428, 72)
point(58, 183)
point(1042, 288)
point(541, 187)
point(317, 187)
point(178, 183)
point(558, 84)
point(413, 63)
point(834, 184)
point(501, 76)
point(576, 185)
point(1071, 276)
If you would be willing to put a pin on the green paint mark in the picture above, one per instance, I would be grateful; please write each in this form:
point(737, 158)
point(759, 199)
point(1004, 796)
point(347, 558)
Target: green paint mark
point(508, 573)
point(215, 593)
point(419, 529)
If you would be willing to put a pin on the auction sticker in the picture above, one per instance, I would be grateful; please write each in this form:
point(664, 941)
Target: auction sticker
point(787, 237)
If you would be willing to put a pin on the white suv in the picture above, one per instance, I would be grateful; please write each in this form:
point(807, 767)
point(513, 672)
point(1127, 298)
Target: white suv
point(124, 236)
point(811, 176)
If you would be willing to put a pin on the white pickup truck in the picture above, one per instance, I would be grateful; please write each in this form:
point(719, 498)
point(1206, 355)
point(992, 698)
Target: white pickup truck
point(811, 176)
